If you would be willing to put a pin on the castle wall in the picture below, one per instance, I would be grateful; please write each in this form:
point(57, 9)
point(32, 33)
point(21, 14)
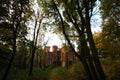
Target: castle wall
point(58, 57)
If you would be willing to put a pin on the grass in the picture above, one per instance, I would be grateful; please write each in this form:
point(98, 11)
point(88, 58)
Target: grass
point(74, 72)
point(49, 73)
point(38, 74)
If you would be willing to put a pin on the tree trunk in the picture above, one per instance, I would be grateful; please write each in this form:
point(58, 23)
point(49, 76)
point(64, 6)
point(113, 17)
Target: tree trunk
point(95, 56)
point(35, 38)
point(86, 68)
point(92, 44)
point(40, 63)
point(91, 64)
point(89, 58)
point(13, 55)
point(32, 61)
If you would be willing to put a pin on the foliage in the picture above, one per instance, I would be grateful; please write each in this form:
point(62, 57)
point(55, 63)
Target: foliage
point(112, 68)
point(109, 38)
point(110, 27)
point(99, 45)
point(110, 61)
point(5, 36)
point(106, 47)
point(59, 74)
point(39, 74)
point(75, 72)
point(14, 24)
point(110, 9)
point(5, 54)
point(13, 20)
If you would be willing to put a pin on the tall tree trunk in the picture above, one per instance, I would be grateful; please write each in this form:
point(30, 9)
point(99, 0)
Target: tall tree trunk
point(40, 63)
point(35, 38)
point(86, 68)
point(92, 44)
point(13, 55)
point(95, 57)
point(32, 61)
point(32, 50)
point(89, 59)
point(86, 52)
point(84, 58)
point(91, 64)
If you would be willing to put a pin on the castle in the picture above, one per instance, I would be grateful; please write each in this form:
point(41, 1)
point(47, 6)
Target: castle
point(58, 57)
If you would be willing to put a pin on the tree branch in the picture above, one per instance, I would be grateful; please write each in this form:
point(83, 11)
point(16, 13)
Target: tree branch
point(62, 22)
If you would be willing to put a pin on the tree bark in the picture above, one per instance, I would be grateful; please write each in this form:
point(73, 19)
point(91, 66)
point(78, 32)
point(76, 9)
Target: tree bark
point(12, 58)
point(89, 59)
point(32, 61)
point(86, 52)
point(92, 44)
point(35, 37)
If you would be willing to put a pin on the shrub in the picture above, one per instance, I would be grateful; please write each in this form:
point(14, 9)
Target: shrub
point(77, 72)
point(112, 69)
point(59, 74)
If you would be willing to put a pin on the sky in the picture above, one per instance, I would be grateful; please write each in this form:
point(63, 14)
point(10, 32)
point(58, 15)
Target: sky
point(54, 39)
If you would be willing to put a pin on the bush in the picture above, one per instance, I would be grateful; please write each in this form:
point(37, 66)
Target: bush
point(59, 74)
point(75, 72)
point(112, 69)
point(22, 74)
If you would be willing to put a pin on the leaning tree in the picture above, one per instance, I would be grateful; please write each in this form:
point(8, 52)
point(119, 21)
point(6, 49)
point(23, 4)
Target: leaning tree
point(78, 13)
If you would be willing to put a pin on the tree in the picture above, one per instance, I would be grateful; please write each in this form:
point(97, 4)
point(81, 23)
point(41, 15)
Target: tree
point(5, 44)
point(110, 27)
point(98, 41)
point(14, 13)
point(38, 21)
point(5, 34)
point(79, 14)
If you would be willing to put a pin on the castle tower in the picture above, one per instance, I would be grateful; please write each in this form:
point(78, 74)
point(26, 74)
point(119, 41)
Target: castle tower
point(54, 55)
point(46, 55)
point(54, 48)
point(47, 49)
